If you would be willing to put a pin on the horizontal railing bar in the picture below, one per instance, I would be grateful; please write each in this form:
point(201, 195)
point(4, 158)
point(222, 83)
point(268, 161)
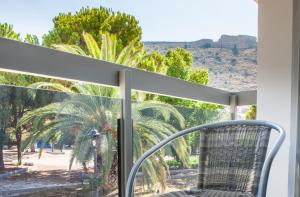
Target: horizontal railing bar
point(26, 58)
point(169, 86)
point(246, 97)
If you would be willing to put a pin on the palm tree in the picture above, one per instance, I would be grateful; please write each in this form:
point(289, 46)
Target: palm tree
point(129, 55)
point(149, 130)
point(110, 50)
point(81, 113)
point(132, 56)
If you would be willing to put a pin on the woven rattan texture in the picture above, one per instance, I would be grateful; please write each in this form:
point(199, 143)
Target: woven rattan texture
point(231, 158)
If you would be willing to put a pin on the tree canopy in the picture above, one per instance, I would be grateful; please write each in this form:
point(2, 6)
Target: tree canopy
point(111, 36)
point(32, 39)
point(7, 31)
point(198, 76)
point(178, 63)
point(68, 27)
point(154, 62)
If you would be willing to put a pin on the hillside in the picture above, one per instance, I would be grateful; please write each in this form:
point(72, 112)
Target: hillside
point(231, 60)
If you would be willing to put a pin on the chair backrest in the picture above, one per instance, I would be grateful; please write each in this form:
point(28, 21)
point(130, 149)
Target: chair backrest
point(232, 156)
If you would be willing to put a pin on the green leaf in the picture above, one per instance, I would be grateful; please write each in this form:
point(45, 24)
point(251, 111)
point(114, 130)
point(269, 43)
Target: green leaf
point(92, 45)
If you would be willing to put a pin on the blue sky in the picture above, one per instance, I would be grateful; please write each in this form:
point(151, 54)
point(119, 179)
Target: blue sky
point(161, 20)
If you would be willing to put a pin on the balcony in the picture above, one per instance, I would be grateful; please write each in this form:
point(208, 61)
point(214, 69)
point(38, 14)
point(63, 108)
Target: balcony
point(120, 115)
point(277, 99)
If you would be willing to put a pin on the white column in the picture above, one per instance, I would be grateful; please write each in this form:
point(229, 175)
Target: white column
point(275, 30)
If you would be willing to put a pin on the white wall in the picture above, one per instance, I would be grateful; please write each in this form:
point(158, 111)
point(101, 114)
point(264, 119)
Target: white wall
point(275, 80)
point(295, 118)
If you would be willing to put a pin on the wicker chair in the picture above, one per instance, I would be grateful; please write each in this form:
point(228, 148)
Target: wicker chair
point(234, 159)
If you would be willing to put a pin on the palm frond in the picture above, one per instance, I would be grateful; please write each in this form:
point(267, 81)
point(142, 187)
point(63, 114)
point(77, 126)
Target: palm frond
point(50, 86)
point(92, 45)
point(74, 49)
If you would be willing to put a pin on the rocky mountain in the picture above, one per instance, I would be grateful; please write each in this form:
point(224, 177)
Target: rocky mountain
point(231, 61)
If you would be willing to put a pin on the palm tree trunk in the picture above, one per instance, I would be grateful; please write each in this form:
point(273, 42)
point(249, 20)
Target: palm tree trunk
point(112, 180)
point(52, 147)
point(2, 166)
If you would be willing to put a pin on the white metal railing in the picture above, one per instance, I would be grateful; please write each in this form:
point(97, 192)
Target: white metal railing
point(32, 59)
point(25, 58)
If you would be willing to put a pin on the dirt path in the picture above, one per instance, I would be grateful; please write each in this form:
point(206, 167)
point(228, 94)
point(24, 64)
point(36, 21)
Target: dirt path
point(49, 171)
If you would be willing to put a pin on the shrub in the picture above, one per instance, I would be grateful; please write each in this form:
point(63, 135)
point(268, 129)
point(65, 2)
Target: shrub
point(173, 164)
point(235, 50)
point(251, 114)
point(233, 62)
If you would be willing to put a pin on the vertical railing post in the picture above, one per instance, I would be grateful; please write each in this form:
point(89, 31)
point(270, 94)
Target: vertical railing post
point(126, 134)
point(95, 143)
point(233, 102)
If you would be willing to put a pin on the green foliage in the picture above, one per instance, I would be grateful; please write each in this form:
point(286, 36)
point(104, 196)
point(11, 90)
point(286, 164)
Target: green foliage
point(32, 39)
point(7, 31)
point(3, 138)
point(173, 164)
point(194, 160)
point(19, 79)
point(149, 130)
point(68, 27)
point(80, 113)
point(10, 106)
point(178, 63)
point(251, 114)
point(19, 100)
point(154, 62)
point(129, 55)
point(199, 76)
point(16, 102)
point(5, 115)
point(114, 37)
